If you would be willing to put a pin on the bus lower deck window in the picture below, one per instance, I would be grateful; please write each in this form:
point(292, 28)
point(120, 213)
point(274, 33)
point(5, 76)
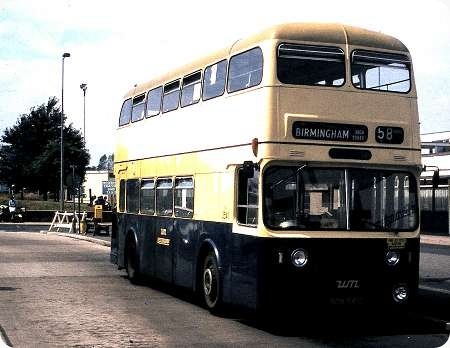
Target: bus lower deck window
point(247, 212)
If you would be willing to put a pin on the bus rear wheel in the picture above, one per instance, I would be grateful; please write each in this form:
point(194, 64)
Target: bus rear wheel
point(132, 265)
point(211, 283)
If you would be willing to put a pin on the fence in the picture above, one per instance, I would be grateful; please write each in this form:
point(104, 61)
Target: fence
point(440, 199)
point(437, 221)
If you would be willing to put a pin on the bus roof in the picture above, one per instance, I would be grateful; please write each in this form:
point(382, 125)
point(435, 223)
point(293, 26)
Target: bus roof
point(332, 33)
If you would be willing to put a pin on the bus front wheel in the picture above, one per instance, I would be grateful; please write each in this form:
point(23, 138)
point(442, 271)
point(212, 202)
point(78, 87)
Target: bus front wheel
point(211, 283)
point(132, 265)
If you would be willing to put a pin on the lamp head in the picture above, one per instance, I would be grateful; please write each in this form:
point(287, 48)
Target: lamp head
point(66, 55)
point(83, 86)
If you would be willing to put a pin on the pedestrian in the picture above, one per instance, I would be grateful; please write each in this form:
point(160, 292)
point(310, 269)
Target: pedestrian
point(106, 204)
point(100, 201)
point(12, 207)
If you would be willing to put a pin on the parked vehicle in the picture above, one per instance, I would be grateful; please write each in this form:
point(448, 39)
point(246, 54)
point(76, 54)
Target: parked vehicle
point(11, 214)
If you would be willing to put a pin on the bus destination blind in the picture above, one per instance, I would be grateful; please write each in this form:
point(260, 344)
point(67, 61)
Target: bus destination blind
point(329, 131)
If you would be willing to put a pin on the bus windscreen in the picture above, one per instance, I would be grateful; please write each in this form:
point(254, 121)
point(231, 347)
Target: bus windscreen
point(339, 199)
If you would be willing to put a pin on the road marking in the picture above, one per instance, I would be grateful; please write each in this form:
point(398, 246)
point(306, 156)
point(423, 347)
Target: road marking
point(428, 288)
point(4, 340)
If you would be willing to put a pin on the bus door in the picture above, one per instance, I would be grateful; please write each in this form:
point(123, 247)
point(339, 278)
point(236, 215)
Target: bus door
point(164, 231)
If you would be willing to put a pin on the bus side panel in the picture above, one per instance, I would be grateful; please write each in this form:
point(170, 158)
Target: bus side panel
point(186, 238)
point(164, 246)
point(147, 251)
point(245, 277)
point(114, 252)
point(123, 227)
point(220, 234)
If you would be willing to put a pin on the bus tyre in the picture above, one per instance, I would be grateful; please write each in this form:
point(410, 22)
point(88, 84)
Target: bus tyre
point(132, 265)
point(211, 283)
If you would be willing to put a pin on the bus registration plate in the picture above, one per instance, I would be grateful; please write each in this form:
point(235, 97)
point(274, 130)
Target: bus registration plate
point(396, 243)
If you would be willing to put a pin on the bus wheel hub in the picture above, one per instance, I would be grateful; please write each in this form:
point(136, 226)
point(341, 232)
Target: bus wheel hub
point(207, 281)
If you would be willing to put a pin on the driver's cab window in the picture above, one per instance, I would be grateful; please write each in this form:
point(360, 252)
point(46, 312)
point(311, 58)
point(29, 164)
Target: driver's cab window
point(247, 205)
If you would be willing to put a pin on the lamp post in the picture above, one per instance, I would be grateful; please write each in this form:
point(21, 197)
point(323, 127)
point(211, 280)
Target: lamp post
point(73, 192)
point(83, 86)
point(61, 186)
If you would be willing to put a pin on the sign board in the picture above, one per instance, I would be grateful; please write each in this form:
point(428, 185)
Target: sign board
point(109, 187)
point(329, 131)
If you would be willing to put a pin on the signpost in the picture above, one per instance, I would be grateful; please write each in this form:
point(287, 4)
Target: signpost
point(109, 187)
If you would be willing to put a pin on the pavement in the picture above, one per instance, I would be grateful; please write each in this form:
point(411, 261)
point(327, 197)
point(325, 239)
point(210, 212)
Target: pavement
point(97, 239)
point(101, 238)
point(105, 239)
point(435, 239)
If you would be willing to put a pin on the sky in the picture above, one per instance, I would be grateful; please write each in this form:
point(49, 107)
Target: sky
point(116, 44)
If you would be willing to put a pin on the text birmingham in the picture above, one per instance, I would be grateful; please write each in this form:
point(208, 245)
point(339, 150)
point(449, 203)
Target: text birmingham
point(317, 133)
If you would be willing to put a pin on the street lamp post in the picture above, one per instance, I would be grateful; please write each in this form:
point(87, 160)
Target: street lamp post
point(83, 86)
point(73, 191)
point(61, 186)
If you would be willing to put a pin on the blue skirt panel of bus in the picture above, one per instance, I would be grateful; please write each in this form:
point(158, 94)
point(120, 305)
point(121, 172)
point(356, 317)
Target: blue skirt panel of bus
point(170, 248)
point(258, 271)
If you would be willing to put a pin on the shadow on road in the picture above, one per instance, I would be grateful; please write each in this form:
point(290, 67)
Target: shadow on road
point(341, 326)
point(344, 328)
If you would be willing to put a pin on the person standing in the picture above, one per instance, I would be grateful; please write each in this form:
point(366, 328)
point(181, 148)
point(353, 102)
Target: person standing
point(12, 207)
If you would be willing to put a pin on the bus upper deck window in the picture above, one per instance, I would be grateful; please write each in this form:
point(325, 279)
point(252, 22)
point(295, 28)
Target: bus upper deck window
point(137, 112)
point(245, 70)
point(125, 113)
point(154, 101)
point(310, 65)
point(171, 96)
point(381, 71)
point(192, 89)
point(214, 79)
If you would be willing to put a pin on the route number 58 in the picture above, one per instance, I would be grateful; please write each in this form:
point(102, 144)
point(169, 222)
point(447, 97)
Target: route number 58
point(389, 135)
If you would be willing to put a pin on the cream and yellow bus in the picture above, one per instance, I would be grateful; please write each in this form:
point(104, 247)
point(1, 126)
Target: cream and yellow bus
point(282, 169)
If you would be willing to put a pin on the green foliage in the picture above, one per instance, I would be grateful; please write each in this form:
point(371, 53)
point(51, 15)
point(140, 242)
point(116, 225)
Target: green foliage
point(106, 162)
point(30, 155)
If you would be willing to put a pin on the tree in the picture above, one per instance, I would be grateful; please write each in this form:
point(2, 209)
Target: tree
point(30, 155)
point(102, 162)
point(106, 162)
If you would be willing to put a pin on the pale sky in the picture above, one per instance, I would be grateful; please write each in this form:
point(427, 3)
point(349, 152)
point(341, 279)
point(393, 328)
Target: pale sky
point(115, 44)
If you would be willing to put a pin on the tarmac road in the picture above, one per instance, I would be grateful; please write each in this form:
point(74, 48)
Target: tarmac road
point(58, 291)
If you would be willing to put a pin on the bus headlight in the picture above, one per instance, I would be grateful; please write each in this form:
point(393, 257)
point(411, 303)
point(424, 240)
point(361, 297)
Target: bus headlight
point(299, 258)
point(400, 293)
point(392, 257)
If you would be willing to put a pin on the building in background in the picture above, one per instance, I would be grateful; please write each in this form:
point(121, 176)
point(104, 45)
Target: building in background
point(434, 200)
point(99, 183)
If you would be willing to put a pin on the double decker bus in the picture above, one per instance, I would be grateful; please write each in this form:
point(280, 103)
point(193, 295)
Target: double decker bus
point(282, 169)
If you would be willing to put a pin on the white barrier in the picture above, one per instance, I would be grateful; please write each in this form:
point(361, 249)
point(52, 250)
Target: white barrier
point(67, 220)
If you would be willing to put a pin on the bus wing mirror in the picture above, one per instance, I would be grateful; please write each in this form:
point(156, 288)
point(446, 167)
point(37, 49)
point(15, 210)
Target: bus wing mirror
point(249, 168)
